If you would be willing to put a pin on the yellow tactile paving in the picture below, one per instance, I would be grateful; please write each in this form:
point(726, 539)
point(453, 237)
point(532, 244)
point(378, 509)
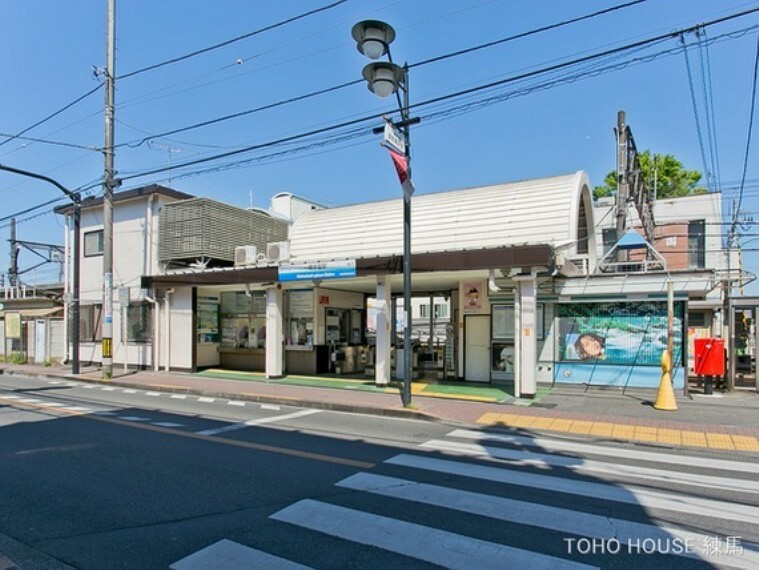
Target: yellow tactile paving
point(670, 436)
point(719, 441)
point(694, 438)
point(542, 423)
point(745, 443)
point(602, 429)
point(625, 431)
point(561, 425)
point(580, 427)
point(523, 421)
point(644, 433)
point(489, 418)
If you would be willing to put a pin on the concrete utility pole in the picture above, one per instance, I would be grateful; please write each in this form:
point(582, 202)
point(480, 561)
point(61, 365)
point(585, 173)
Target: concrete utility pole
point(13, 260)
point(108, 186)
point(623, 187)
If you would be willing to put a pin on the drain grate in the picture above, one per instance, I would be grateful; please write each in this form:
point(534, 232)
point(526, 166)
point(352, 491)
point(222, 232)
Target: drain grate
point(539, 405)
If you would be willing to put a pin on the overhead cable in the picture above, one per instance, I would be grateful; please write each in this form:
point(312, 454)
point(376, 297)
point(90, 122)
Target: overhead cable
point(50, 116)
point(231, 41)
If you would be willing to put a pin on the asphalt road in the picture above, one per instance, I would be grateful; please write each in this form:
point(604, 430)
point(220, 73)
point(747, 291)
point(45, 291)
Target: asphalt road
point(100, 477)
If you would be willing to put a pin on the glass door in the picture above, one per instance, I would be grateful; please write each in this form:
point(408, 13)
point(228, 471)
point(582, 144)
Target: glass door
point(502, 351)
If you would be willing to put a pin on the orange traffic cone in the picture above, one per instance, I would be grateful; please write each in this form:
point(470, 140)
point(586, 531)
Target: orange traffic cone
point(665, 398)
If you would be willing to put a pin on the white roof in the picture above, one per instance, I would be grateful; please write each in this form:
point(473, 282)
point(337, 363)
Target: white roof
point(540, 211)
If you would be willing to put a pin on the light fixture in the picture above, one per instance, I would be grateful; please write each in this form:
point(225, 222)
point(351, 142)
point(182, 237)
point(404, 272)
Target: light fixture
point(372, 37)
point(383, 78)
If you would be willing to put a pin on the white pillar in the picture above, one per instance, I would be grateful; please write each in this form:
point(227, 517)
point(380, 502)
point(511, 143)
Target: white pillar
point(275, 344)
point(525, 328)
point(384, 321)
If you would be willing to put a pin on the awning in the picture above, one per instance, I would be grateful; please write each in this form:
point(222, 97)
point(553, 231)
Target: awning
point(34, 313)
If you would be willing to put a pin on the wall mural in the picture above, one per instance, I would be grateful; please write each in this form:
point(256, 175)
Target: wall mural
point(618, 333)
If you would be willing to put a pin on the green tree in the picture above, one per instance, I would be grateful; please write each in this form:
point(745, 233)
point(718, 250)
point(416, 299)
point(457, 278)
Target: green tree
point(672, 180)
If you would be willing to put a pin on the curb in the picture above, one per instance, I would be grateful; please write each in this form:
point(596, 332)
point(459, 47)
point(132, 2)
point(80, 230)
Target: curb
point(259, 398)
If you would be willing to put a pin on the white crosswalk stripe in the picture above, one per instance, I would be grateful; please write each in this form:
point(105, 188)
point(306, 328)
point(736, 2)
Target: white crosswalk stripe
point(424, 543)
point(638, 498)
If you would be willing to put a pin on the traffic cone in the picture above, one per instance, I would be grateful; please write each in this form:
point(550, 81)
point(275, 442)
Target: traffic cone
point(665, 398)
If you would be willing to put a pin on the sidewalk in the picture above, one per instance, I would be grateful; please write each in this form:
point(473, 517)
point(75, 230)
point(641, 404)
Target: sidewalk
point(721, 422)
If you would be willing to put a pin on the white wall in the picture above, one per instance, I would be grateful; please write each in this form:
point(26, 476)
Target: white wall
point(135, 253)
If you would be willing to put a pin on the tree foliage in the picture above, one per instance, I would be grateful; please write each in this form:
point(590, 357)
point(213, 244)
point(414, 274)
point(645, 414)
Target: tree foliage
point(672, 180)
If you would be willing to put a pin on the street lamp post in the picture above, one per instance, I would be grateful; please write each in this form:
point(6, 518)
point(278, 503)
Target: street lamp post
point(76, 200)
point(373, 39)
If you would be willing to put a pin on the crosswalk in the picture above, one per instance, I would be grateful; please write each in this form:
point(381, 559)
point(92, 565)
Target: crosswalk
point(477, 499)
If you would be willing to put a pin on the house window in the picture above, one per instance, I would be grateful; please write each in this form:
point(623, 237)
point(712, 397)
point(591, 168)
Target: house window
point(90, 326)
point(696, 245)
point(441, 311)
point(93, 243)
point(139, 327)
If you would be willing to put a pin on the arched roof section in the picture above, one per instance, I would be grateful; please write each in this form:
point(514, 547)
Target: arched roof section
point(529, 212)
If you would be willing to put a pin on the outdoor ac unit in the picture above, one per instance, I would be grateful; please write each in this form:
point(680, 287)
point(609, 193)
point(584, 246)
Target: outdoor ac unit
point(245, 255)
point(278, 251)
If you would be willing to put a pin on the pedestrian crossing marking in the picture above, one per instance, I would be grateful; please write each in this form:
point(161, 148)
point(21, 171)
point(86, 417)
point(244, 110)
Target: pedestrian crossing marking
point(559, 519)
point(432, 545)
point(233, 556)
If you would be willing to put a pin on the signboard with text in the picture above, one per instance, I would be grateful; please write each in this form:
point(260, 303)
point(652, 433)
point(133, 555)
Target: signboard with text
point(318, 270)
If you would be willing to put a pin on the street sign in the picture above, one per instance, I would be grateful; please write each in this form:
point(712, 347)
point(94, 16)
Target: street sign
point(394, 138)
point(318, 270)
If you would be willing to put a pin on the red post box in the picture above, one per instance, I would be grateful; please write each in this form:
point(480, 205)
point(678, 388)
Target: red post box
point(709, 356)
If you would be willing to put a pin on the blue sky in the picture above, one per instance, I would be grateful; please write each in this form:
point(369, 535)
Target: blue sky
point(49, 49)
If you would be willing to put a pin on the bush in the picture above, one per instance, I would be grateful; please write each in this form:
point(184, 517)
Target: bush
point(17, 358)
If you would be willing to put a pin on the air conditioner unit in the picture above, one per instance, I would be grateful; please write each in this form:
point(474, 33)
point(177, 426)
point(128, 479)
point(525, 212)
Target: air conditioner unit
point(278, 251)
point(245, 255)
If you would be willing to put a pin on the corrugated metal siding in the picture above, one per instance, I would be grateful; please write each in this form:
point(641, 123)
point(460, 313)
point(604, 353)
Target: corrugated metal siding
point(529, 212)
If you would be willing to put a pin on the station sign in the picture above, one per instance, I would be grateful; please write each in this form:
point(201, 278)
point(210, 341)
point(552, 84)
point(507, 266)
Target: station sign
point(340, 269)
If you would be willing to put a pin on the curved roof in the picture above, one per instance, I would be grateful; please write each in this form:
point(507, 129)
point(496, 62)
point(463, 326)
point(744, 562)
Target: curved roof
point(539, 211)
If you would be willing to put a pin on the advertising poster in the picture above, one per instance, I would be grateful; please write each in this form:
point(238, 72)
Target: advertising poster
point(472, 296)
point(618, 333)
point(12, 325)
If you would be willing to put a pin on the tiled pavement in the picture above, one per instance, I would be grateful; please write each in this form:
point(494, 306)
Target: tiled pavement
point(725, 422)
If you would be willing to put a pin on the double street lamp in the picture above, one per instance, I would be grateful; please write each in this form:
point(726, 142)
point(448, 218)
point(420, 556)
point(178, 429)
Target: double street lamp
point(76, 200)
point(373, 39)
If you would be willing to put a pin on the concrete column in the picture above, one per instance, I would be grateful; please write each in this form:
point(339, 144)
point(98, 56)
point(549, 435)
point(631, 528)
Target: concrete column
point(275, 344)
point(525, 334)
point(517, 339)
point(384, 329)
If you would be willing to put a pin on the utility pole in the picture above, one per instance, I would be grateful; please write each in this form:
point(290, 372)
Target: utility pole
point(108, 186)
point(13, 264)
point(623, 187)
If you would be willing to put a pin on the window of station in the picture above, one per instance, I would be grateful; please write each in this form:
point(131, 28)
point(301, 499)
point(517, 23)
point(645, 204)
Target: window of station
point(243, 319)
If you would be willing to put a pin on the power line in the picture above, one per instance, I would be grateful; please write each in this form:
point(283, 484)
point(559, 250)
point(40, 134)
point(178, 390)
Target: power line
point(50, 142)
point(748, 136)
point(233, 40)
point(50, 116)
point(344, 136)
point(526, 34)
point(442, 98)
point(534, 31)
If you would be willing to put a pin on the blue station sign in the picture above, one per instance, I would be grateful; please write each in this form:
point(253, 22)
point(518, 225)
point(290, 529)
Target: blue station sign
point(318, 270)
